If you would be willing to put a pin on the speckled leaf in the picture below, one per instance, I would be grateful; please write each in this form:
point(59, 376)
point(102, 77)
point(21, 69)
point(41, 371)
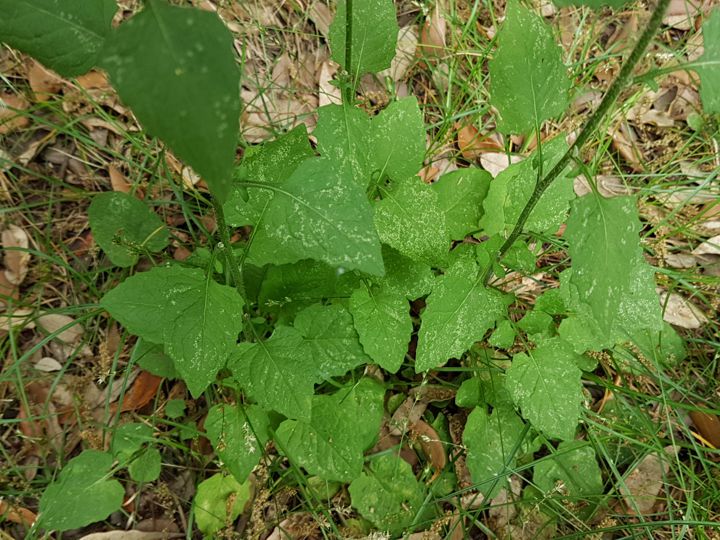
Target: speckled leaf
point(320, 213)
point(459, 312)
point(218, 502)
point(610, 280)
point(329, 333)
point(545, 384)
point(528, 81)
point(120, 216)
point(409, 218)
point(64, 35)
point(388, 495)
point(573, 464)
point(271, 162)
point(382, 320)
point(708, 65)
point(82, 493)
point(493, 443)
point(279, 374)
point(342, 426)
point(397, 140)
point(374, 35)
point(238, 434)
point(197, 319)
point(182, 84)
point(342, 136)
point(512, 188)
point(460, 195)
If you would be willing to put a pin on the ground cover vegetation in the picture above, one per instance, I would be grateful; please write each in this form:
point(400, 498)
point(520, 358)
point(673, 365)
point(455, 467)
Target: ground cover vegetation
point(360, 270)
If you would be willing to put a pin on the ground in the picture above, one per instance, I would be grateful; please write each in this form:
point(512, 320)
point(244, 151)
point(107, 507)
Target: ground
point(67, 381)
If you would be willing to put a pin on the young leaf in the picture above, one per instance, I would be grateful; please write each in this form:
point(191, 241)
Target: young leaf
point(409, 278)
point(460, 195)
point(320, 212)
point(528, 81)
point(128, 439)
point(81, 494)
point(459, 311)
point(388, 495)
point(708, 65)
point(493, 443)
point(575, 466)
point(278, 373)
point(218, 502)
point(545, 383)
point(374, 35)
point(409, 218)
point(610, 282)
point(341, 428)
point(122, 225)
point(197, 319)
point(238, 435)
point(64, 35)
point(146, 467)
point(511, 189)
point(182, 84)
point(329, 334)
point(382, 320)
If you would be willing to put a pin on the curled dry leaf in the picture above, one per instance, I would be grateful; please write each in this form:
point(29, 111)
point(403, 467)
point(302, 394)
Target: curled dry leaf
point(406, 415)
point(404, 54)
point(17, 514)
point(431, 445)
point(642, 486)
point(472, 144)
point(15, 245)
point(55, 322)
point(11, 118)
point(433, 33)
point(709, 247)
point(432, 392)
point(708, 425)
point(131, 535)
point(141, 392)
point(47, 364)
point(44, 83)
point(93, 80)
point(496, 162)
point(328, 93)
point(681, 312)
point(680, 260)
point(117, 180)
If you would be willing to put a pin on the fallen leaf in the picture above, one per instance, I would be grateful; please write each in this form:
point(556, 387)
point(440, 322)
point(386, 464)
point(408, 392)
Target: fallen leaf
point(117, 180)
point(709, 247)
point(11, 117)
point(53, 322)
point(431, 445)
point(19, 318)
point(681, 14)
point(623, 140)
point(680, 312)
point(472, 144)
point(141, 392)
point(130, 535)
point(93, 80)
point(642, 486)
point(406, 415)
point(16, 514)
point(680, 260)
point(328, 93)
point(15, 244)
point(8, 290)
point(708, 425)
point(433, 33)
point(43, 82)
point(405, 50)
point(321, 17)
point(496, 162)
point(47, 364)
point(607, 185)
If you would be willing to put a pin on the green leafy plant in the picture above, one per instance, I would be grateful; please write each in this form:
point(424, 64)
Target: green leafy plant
point(343, 237)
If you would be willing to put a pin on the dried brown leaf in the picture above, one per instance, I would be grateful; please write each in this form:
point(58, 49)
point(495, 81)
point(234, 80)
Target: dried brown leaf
point(405, 51)
point(53, 322)
point(433, 33)
point(44, 83)
point(642, 486)
point(472, 144)
point(16, 514)
point(11, 118)
point(708, 425)
point(409, 412)
point(15, 244)
point(496, 162)
point(118, 180)
point(130, 535)
point(681, 312)
point(431, 445)
point(93, 80)
point(328, 93)
point(709, 247)
point(141, 392)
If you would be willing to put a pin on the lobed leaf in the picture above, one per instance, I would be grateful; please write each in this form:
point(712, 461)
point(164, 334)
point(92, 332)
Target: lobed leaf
point(573, 464)
point(460, 196)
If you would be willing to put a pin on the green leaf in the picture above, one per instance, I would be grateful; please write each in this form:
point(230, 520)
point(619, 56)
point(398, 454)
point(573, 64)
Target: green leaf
point(271, 162)
point(409, 218)
point(279, 374)
point(545, 383)
point(382, 320)
point(64, 35)
point(146, 467)
point(218, 502)
point(123, 226)
point(374, 35)
point(342, 136)
point(388, 495)
point(81, 494)
point(175, 408)
point(330, 336)
point(460, 196)
point(459, 312)
point(512, 188)
point(182, 84)
point(493, 443)
point(594, 4)
point(528, 81)
point(397, 139)
point(409, 278)
point(342, 426)
point(611, 287)
point(574, 465)
point(504, 335)
point(708, 65)
point(238, 435)
point(320, 212)
point(197, 319)
point(129, 439)
point(151, 357)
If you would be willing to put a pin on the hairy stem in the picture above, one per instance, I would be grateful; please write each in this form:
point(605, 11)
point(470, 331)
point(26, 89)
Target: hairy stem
point(348, 91)
point(612, 94)
point(226, 248)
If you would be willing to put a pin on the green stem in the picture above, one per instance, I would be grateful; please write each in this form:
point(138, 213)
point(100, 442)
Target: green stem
point(348, 90)
point(588, 130)
point(226, 248)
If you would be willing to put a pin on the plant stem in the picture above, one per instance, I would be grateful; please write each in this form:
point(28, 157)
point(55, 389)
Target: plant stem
point(348, 90)
point(612, 94)
point(226, 248)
